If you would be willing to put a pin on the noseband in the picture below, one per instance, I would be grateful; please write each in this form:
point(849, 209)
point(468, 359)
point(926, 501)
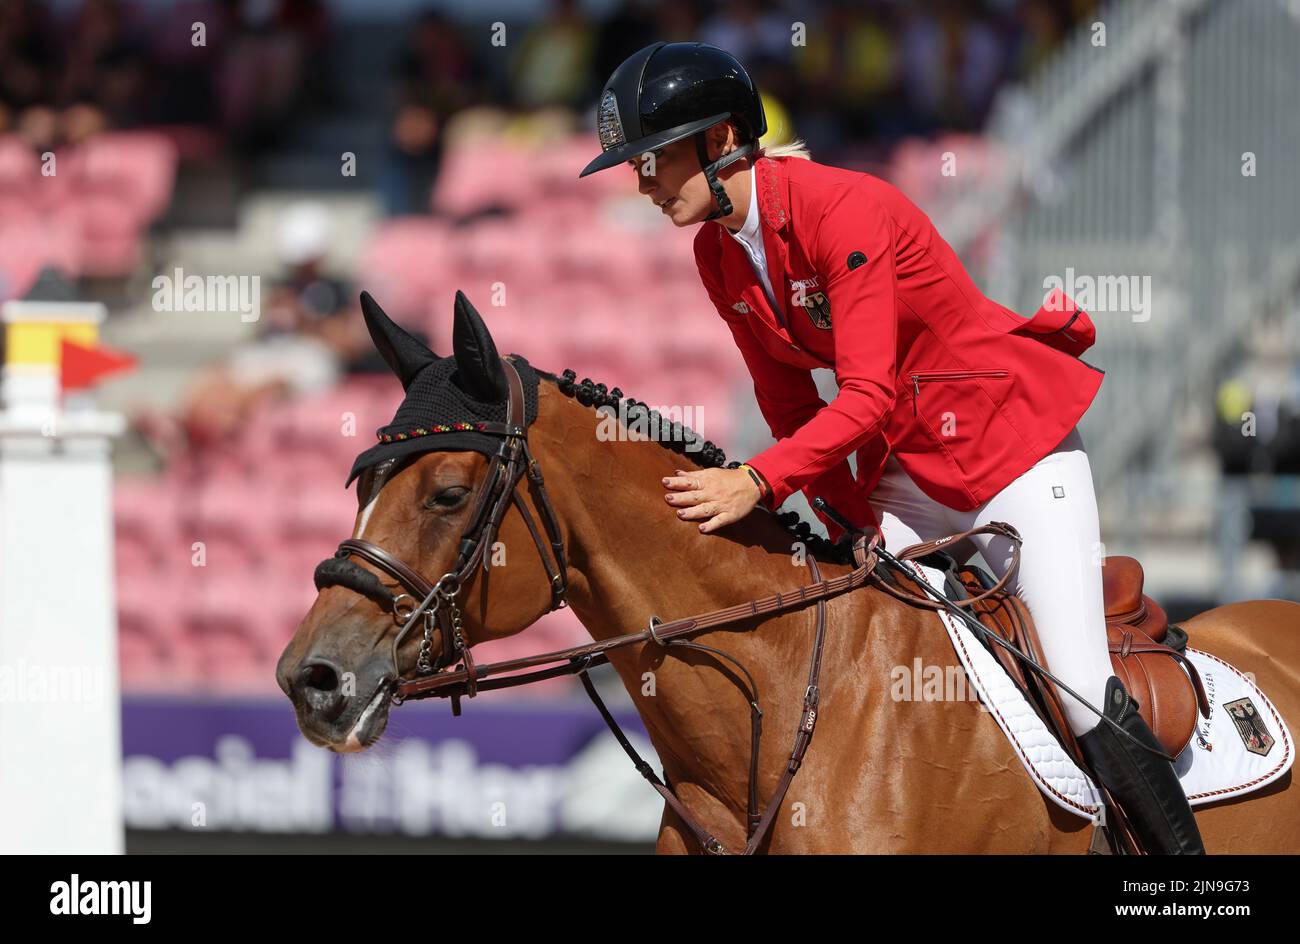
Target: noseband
point(437, 606)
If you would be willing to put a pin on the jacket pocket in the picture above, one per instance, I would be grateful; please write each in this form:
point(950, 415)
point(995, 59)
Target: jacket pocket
point(960, 412)
point(948, 376)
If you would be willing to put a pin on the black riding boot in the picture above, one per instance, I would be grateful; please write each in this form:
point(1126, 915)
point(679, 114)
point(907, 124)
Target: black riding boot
point(1143, 783)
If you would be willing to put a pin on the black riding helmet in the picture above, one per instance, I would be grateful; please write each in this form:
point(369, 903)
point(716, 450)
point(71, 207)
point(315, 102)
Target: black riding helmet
point(670, 91)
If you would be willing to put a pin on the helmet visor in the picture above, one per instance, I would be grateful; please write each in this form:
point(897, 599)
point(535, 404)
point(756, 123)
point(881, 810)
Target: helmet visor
point(631, 149)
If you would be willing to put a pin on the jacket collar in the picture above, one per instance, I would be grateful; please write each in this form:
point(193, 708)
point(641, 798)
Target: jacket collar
point(772, 187)
point(772, 195)
point(772, 191)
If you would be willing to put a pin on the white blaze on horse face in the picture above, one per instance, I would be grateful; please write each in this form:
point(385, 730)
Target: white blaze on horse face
point(352, 743)
point(376, 487)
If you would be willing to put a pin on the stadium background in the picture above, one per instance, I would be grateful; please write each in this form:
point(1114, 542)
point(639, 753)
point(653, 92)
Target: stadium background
point(411, 151)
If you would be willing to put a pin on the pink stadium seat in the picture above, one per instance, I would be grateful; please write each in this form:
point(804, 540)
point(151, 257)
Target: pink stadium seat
point(318, 512)
point(110, 234)
point(558, 164)
point(31, 240)
point(597, 344)
point(669, 254)
point(610, 259)
point(327, 425)
point(476, 175)
point(499, 251)
point(19, 166)
point(232, 508)
point(144, 621)
point(230, 661)
point(137, 169)
point(142, 660)
point(407, 261)
point(290, 572)
point(309, 470)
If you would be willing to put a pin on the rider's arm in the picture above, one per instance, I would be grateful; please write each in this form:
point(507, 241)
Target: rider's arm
point(853, 250)
point(788, 398)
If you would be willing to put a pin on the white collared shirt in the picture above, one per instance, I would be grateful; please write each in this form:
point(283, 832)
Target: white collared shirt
point(751, 238)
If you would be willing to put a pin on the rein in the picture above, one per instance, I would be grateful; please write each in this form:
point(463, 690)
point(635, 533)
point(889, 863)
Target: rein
point(437, 609)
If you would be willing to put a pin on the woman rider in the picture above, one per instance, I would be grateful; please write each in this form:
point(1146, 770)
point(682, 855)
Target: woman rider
point(960, 411)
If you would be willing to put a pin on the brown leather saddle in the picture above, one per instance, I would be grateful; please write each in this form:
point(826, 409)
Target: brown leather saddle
point(1145, 652)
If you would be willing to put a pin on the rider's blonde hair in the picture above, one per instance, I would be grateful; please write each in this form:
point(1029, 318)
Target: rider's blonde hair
point(795, 148)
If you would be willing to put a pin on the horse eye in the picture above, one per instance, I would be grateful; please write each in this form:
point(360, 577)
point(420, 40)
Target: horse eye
point(448, 497)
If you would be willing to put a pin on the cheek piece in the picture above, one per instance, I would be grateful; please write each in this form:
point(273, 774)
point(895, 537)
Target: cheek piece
point(711, 173)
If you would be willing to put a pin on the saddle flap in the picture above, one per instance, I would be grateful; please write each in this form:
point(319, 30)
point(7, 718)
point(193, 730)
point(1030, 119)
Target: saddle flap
point(1006, 615)
point(1168, 695)
point(1121, 583)
point(1167, 687)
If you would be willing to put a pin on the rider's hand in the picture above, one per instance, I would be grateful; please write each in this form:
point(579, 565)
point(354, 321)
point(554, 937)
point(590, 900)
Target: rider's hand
point(715, 497)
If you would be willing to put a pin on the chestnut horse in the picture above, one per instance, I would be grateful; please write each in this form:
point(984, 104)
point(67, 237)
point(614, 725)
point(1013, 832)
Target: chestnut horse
point(881, 775)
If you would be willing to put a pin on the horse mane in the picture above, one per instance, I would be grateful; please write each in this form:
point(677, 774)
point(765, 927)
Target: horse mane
point(675, 436)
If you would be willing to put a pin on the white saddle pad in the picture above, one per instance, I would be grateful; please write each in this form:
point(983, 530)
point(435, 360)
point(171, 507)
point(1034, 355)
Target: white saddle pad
point(1244, 744)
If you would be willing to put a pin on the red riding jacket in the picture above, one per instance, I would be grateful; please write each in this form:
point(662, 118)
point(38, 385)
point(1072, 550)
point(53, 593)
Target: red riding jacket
point(965, 393)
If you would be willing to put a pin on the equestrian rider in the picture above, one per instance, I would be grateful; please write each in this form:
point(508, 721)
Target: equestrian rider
point(960, 411)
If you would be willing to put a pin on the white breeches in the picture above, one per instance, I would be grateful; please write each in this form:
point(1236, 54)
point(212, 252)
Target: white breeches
point(1054, 508)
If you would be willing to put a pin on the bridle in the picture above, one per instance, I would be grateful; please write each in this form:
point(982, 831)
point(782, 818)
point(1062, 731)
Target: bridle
point(438, 609)
point(437, 606)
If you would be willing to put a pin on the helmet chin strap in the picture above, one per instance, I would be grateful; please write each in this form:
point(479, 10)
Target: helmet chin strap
point(711, 173)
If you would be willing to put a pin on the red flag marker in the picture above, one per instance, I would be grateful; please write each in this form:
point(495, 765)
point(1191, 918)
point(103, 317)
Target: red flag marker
point(82, 366)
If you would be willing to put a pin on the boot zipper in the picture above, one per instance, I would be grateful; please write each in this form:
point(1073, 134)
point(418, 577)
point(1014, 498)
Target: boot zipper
point(1124, 704)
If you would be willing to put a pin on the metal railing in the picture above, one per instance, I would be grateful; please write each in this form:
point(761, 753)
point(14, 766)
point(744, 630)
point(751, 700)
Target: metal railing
point(1163, 154)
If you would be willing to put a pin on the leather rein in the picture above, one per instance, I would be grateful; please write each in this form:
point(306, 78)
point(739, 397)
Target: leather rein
point(437, 609)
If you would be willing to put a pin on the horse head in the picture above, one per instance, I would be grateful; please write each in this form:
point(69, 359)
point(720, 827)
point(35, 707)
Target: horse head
point(420, 496)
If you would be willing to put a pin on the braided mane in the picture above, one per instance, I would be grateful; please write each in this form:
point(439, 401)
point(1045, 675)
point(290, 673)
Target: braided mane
point(677, 436)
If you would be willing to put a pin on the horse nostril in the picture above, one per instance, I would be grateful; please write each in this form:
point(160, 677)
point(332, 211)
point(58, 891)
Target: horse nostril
point(320, 690)
point(320, 676)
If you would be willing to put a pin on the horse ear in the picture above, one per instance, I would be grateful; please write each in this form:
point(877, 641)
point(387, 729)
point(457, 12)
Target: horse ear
point(406, 355)
point(478, 365)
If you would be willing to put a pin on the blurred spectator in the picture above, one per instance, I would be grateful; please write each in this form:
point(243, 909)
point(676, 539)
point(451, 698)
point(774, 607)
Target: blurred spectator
point(678, 21)
point(1257, 427)
point(276, 44)
point(1042, 24)
point(252, 67)
point(28, 59)
point(553, 65)
point(437, 76)
point(750, 30)
point(631, 27)
point(952, 59)
point(106, 65)
point(309, 337)
point(848, 75)
point(188, 72)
